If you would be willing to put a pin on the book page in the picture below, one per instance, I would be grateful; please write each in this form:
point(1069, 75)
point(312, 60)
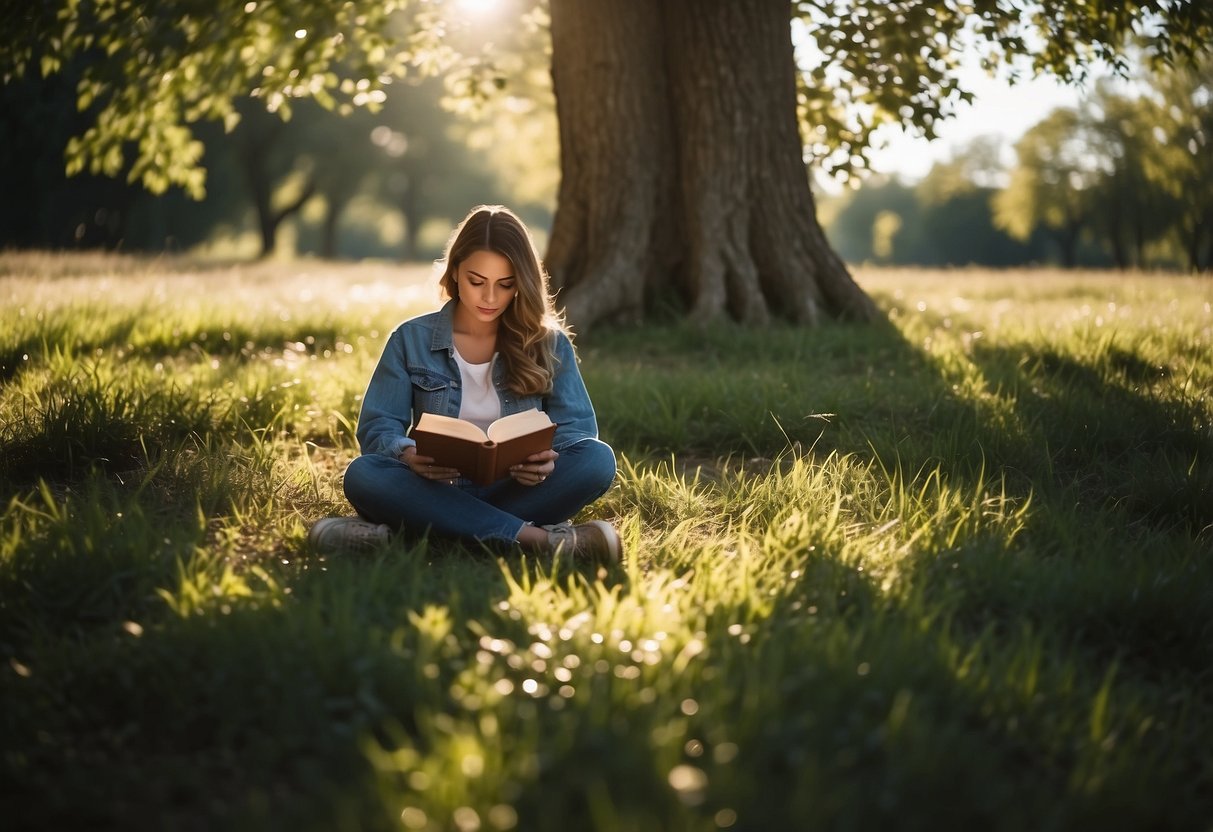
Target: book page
point(518, 424)
point(445, 425)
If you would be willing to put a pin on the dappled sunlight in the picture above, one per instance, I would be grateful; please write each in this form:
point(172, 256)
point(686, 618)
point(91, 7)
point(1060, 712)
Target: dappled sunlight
point(874, 565)
point(1041, 299)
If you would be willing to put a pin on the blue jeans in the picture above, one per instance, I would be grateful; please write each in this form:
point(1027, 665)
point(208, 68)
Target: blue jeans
point(384, 490)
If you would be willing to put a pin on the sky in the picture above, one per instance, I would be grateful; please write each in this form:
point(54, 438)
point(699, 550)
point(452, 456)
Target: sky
point(998, 108)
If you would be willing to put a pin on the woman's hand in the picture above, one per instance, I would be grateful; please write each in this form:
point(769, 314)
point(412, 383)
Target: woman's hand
point(423, 466)
point(537, 468)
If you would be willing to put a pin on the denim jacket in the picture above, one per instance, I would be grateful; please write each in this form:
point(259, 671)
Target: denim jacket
point(417, 374)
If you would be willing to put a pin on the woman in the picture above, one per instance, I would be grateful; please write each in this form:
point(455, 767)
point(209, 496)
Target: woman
point(496, 347)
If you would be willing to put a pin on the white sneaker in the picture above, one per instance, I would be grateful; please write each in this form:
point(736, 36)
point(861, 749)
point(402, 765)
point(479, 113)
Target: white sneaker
point(592, 542)
point(336, 535)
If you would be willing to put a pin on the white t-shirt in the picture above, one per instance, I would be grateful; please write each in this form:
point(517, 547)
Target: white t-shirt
point(480, 404)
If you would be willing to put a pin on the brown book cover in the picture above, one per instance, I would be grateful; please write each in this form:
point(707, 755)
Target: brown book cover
point(483, 456)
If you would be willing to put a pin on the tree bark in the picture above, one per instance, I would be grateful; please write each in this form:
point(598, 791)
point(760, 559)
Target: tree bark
point(683, 180)
point(613, 243)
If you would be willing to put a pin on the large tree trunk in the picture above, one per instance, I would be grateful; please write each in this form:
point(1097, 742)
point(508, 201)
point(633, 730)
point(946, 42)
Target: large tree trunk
point(683, 180)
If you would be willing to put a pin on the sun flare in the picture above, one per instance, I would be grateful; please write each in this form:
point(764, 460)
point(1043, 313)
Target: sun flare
point(478, 7)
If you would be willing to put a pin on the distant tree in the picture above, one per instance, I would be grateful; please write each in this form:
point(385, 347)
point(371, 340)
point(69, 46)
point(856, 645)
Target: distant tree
point(42, 207)
point(429, 170)
point(975, 164)
point(410, 155)
point(1128, 209)
point(852, 229)
point(1183, 167)
point(960, 231)
point(945, 219)
point(954, 223)
point(1121, 170)
point(1050, 187)
point(266, 152)
point(1129, 171)
point(340, 158)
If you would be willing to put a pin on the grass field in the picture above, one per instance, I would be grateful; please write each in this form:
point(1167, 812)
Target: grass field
point(952, 571)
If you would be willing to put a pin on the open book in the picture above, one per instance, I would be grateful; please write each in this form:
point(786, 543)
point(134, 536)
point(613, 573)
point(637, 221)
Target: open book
point(483, 456)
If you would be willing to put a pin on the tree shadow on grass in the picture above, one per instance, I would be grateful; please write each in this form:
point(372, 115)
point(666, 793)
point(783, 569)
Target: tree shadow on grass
point(1106, 431)
point(235, 342)
point(1119, 474)
point(1115, 471)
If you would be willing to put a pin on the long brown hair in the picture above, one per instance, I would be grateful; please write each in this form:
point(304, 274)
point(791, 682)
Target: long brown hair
point(528, 325)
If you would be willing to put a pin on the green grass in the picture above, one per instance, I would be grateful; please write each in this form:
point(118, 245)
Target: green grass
point(950, 571)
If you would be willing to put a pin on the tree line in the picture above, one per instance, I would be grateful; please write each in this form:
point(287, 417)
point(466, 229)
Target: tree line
point(1124, 180)
point(364, 184)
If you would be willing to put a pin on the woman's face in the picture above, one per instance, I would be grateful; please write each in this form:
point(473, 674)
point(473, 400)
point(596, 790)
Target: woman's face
point(486, 285)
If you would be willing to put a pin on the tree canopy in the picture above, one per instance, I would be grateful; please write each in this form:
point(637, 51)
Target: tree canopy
point(872, 63)
point(1122, 179)
point(148, 70)
point(1130, 171)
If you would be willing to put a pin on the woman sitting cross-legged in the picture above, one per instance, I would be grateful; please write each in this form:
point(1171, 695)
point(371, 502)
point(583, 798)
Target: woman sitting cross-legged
point(497, 347)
